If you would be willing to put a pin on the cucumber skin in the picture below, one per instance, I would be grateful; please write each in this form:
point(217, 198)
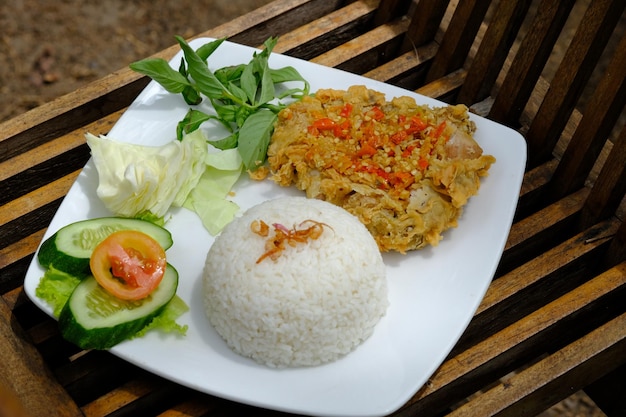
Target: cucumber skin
point(102, 338)
point(50, 255)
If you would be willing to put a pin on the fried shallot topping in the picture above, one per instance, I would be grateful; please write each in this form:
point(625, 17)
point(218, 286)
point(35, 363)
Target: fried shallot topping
point(276, 243)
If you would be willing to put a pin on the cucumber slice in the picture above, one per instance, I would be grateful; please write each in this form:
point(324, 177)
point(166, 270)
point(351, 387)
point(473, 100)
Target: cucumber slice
point(70, 248)
point(92, 318)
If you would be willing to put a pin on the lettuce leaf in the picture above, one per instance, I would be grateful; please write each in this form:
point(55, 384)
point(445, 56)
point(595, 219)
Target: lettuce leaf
point(55, 288)
point(166, 321)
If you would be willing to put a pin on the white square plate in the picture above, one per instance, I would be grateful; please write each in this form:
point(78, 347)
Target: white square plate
point(433, 292)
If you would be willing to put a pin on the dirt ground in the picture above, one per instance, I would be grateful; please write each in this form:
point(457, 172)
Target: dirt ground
point(49, 48)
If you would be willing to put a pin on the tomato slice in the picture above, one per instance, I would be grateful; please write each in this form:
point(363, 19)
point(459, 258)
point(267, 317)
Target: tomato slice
point(128, 264)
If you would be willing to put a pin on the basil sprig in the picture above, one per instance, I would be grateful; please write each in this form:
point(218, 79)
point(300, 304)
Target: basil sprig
point(244, 97)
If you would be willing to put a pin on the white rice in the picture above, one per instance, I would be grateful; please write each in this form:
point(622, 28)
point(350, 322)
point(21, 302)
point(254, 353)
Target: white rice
point(315, 303)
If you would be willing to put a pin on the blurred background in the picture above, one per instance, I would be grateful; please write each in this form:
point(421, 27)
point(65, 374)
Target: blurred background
point(49, 48)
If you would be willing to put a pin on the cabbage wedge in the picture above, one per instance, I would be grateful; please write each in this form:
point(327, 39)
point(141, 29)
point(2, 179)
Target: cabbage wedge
point(145, 181)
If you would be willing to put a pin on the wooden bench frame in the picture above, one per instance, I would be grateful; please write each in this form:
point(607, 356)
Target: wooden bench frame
point(553, 321)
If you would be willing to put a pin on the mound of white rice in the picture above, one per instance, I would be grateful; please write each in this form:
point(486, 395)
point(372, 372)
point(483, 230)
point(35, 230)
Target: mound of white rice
point(313, 304)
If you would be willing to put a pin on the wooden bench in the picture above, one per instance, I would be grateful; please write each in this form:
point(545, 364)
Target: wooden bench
point(554, 319)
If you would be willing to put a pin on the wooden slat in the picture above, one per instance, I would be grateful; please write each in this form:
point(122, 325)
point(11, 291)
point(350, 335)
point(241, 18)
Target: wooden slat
point(358, 46)
point(389, 10)
point(610, 186)
point(458, 38)
point(531, 285)
point(196, 407)
point(556, 377)
point(91, 376)
point(493, 50)
point(38, 155)
point(324, 26)
point(572, 74)
point(542, 266)
point(117, 398)
point(14, 298)
point(530, 228)
point(425, 22)
point(35, 199)
point(20, 250)
point(602, 111)
point(496, 351)
point(49, 161)
point(528, 63)
point(69, 112)
point(605, 390)
point(273, 19)
point(146, 395)
point(42, 332)
point(444, 85)
point(26, 215)
point(617, 248)
point(24, 375)
point(403, 65)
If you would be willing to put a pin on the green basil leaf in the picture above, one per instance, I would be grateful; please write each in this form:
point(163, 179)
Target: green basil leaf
point(226, 112)
point(191, 96)
point(276, 108)
point(182, 68)
point(254, 138)
point(206, 82)
point(241, 114)
point(160, 71)
point(192, 121)
point(248, 82)
point(260, 62)
point(229, 142)
point(237, 92)
point(230, 74)
point(208, 48)
point(189, 93)
point(285, 74)
point(290, 74)
point(267, 91)
point(296, 93)
point(268, 46)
